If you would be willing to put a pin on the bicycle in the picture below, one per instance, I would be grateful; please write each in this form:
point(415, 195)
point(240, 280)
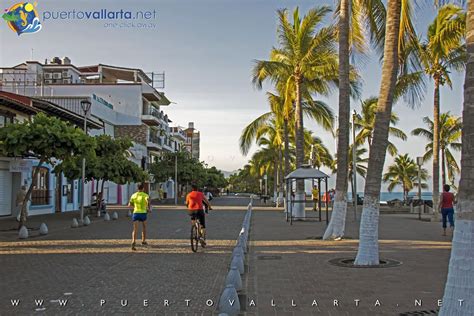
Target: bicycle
point(195, 235)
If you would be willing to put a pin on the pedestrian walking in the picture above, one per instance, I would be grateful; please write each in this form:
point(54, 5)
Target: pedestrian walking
point(446, 204)
point(20, 200)
point(141, 206)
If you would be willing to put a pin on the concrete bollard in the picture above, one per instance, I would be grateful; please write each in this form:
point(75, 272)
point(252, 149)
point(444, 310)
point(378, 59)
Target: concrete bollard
point(233, 278)
point(229, 301)
point(238, 250)
point(43, 229)
point(115, 216)
point(87, 221)
point(23, 233)
point(238, 261)
point(106, 217)
point(75, 223)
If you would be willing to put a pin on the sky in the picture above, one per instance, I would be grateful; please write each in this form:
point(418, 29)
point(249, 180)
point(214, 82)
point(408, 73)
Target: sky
point(207, 49)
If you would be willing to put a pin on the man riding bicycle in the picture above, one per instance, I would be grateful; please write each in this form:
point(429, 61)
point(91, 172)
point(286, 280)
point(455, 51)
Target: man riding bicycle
point(195, 201)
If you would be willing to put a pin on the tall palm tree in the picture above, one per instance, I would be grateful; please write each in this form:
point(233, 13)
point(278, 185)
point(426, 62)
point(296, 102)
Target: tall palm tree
point(450, 128)
point(443, 51)
point(361, 165)
point(404, 172)
point(305, 63)
point(368, 253)
point(462, 256)
point(364, 122)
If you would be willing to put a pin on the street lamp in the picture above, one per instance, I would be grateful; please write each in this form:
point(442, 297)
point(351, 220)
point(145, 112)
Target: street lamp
point(86, 106)
point(419, 162)
point(354, 163)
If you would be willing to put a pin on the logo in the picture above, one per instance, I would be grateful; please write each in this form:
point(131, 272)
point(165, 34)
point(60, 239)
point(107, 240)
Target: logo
point(22, 18)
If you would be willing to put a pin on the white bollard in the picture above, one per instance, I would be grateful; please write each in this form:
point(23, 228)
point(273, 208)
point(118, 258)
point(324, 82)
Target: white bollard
point(75, 223)
point(106, 217)
point(115, 216)
point(23, 233)
point(43, 229)
point(238, 250)
point(87, 221)
point(233, 278)
point(229, 301)
point(238, 261)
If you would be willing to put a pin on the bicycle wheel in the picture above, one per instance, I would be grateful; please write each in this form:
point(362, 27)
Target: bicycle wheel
point(194, 238)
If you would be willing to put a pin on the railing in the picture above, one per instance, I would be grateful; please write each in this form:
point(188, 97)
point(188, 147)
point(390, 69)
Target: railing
point(153, 112)
point(155, 139)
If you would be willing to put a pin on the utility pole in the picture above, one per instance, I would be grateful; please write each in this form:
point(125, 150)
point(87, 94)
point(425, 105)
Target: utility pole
point(176, 178)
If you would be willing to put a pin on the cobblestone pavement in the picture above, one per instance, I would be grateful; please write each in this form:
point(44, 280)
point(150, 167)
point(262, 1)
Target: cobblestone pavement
point(89, 264)
point(285, 263)
point(289, 265)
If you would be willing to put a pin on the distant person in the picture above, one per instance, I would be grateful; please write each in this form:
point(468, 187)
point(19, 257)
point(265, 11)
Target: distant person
point(141, 205)
point(315, 196)
point(20, 200)
point(227, 191)
point(446, 204)
point(332, 195)
point(195, 201)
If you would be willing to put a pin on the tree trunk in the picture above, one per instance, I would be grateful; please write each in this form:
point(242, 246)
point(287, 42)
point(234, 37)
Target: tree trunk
point(287, 147)
point(436, 150)
point(368, 253)
point(443, 167)
point(28, 195)
point(337, 224)
point(300, 194)
point(461, 264)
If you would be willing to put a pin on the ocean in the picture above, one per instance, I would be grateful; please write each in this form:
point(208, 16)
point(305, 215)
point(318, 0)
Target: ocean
point(388, 196)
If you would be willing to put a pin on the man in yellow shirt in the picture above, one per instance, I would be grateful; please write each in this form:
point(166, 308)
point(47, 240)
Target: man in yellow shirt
point(141, 205)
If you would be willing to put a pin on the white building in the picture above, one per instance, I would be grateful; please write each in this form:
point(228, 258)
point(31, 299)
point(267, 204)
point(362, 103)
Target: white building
point(125, 100)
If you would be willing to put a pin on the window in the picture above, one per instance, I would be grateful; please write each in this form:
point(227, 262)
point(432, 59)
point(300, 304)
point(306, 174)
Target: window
point(40, 193)
point(5, 120)
point(70, 185)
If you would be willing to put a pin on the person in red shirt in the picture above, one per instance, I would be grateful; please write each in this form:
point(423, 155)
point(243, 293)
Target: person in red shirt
point(195, 201)
point(446, 204)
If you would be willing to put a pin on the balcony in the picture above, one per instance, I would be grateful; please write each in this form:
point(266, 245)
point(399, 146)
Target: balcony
point(154, 142)
point(152, 116)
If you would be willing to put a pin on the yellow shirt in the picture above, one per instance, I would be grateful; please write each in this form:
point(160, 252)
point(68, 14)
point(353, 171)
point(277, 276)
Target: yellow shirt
point(315, 194)
point(139, 200)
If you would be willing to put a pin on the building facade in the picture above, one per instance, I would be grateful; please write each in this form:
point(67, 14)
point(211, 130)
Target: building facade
point(192, 143)
point(125, 102)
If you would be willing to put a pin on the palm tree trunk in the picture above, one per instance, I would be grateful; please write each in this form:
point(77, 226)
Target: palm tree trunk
point(436, 150)
point(287, 147)
point(461, 263)
point(337, 224)
point(300, 195)
point(443, 167)
point(368, 253)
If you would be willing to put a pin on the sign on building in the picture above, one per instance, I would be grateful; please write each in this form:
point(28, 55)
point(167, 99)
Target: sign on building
point(20, 165)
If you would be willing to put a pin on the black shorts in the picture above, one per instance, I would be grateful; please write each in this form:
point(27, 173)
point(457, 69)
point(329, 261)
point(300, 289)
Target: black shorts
point(198, 214)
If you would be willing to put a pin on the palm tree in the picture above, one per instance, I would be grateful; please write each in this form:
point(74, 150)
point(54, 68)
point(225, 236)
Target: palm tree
point(442, 51)
point(368, 253)
point(304, 64)
point(364, 122)
point(404, 172)
point(361, 166)
point(449, 139)
point(462, 256)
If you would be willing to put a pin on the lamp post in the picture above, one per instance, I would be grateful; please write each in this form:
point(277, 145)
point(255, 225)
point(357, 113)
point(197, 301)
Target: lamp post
point(176, 178)
point(354, 163)
point(85, 105)
point(419, 162)
point(266, 184)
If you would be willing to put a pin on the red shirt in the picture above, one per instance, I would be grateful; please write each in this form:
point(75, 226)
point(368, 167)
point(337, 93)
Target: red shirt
point(448, 199)
point(194, 200)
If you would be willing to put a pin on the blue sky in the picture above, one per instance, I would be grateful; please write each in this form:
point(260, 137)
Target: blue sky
point(206, 48)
